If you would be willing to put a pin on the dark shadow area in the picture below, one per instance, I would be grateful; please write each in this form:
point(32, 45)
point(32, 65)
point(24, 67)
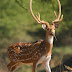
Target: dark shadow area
point(67, 10)
point(61, 68)
point(40, 33)
point(64, 37)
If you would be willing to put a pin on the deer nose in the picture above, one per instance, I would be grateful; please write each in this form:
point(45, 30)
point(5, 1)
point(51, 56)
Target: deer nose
point(52, 34)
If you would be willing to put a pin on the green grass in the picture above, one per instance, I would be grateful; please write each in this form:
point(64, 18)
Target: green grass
point(63, 50)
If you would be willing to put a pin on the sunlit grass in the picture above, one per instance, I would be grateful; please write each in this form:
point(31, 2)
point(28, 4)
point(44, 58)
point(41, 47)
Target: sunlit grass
point(63, 50)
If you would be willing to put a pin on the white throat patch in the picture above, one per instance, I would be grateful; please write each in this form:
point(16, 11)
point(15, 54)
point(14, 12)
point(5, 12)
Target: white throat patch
point(50, 39)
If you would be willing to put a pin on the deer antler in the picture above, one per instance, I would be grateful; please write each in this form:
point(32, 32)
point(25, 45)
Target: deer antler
point(37, 18)
point(58, 19)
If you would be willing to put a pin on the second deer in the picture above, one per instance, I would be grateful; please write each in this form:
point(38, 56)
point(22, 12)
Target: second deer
point(38, 52)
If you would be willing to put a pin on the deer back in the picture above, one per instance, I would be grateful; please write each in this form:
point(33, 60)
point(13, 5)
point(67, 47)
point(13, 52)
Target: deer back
point(26, 52)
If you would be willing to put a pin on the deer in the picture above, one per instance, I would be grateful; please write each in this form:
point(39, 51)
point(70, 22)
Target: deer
point(38, 52)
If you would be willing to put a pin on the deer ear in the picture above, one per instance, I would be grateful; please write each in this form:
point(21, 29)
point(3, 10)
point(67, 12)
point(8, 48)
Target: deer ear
point(57, 25)
point(44, 26)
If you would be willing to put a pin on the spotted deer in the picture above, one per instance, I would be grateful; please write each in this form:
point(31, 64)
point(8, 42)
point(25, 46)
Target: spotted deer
point(38, 52)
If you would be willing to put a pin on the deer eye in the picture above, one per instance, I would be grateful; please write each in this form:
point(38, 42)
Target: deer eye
point(50, 29)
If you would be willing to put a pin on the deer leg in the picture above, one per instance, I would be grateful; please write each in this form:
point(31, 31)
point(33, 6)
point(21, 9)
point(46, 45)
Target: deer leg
point(15, 67)
point(47, 67)
point(34, 66)
point(46, 64)
point(9, 66)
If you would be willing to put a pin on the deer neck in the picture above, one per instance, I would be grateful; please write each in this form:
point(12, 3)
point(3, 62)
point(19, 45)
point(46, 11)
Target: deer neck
point(49, 43)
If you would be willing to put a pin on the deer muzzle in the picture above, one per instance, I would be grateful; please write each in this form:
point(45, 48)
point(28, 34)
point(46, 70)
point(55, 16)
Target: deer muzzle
point(52, 34)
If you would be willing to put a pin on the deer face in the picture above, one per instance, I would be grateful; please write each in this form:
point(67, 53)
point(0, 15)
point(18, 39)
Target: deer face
point(50, 29)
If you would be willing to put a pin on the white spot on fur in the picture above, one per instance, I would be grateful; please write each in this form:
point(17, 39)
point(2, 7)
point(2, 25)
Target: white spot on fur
point(50, 39)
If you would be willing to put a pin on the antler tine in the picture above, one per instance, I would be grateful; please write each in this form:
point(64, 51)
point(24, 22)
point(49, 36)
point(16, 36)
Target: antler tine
point(37, 18)
point(33, 13)
point(58, 18)
point(59, 9)
point(55, 14)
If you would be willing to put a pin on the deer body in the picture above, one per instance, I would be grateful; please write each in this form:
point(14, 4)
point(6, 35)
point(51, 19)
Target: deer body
point(38, 52)
point(26, 52)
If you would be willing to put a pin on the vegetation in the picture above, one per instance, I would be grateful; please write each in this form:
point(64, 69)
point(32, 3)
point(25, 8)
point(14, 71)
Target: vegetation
point(17, 24)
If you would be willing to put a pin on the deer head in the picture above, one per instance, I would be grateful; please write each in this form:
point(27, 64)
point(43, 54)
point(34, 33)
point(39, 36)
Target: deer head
point(45, 25)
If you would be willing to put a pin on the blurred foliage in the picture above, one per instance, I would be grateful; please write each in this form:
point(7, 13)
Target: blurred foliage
point(17, 24)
